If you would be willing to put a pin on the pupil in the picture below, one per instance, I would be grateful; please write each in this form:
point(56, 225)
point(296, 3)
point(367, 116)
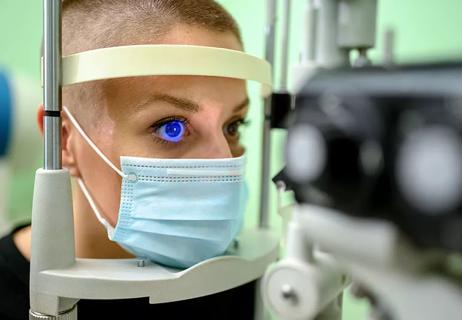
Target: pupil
point(173, 129)
point(232, 130)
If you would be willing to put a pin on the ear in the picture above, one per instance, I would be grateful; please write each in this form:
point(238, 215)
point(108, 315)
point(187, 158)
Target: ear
point(68, 144)
point(68, 154)
point(40, 114)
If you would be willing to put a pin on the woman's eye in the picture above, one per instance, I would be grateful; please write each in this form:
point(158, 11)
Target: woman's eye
point(232, 130)
point(171, 130)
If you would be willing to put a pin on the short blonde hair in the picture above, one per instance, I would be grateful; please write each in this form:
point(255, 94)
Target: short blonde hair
point(92, 24)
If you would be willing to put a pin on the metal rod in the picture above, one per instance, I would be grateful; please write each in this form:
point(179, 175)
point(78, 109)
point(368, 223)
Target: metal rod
point(266, 166)
point(52, 83)
point(285, 34)
point(388, 48)
point(266, 138)
point(309, 50)
point(270, 31)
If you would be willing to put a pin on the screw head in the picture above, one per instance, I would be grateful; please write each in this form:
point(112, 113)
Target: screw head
point(288, 293)
point(141, 263)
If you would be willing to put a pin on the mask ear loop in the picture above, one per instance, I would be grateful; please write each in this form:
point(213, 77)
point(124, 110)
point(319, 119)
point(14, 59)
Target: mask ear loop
point(92, 144)
point(94, 207)
point(83, 187)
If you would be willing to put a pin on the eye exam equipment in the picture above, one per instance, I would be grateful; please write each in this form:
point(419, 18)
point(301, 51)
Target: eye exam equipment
point(19, 144)
point(58, 279)
point(332, 240)
point(373, 157)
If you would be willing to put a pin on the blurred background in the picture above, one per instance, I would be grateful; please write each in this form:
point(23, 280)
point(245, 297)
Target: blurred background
point(426, 30)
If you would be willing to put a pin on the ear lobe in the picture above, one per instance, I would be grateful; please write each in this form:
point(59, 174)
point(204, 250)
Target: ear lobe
point(68, 157)
point(40, 115)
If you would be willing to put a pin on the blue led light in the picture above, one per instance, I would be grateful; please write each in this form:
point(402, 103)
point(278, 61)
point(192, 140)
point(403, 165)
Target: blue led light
point(5, 114)
point(172, 131)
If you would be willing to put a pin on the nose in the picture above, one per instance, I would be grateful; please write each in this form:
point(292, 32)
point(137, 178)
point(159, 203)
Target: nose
point(215, 146)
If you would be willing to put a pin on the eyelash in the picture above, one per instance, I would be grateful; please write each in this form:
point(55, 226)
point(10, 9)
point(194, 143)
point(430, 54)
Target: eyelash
point(159, 124)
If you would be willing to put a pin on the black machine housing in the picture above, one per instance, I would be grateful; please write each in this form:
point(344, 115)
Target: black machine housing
point(388, 137)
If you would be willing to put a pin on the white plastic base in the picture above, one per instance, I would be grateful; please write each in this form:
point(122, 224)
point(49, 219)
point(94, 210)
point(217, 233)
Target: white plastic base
point(53, 242)
point(58, 280)
point(123, 279)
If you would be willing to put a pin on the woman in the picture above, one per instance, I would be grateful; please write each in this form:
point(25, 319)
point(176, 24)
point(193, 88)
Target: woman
point(164, 117)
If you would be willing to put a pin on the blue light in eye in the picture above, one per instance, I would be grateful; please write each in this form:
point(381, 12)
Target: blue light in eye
point(172, 131)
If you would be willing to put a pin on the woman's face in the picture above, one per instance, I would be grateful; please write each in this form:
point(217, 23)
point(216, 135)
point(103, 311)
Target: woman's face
point(160, 117)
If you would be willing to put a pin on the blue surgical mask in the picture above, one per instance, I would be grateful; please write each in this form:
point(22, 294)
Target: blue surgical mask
point(176, 212)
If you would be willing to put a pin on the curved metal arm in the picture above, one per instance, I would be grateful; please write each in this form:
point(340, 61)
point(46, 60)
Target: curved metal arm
point(266, 138)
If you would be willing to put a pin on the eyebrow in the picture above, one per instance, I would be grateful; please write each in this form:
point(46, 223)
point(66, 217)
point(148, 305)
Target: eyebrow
point(244, 104)
point(183, 104)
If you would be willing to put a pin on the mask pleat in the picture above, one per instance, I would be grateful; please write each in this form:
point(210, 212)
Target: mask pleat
point(154, 200)
point(205, 230)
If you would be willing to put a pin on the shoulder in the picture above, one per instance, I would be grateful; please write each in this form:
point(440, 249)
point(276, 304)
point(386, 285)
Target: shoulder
point(22, 240)
point(14, 280)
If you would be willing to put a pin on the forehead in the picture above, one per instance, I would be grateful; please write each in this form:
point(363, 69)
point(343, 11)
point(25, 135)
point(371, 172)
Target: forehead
point(194, 35)
point(197, 88)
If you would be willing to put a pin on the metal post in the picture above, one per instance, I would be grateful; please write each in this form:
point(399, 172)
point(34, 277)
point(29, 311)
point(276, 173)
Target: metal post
point(52, 83)
point(285, 34)
point(266, 140)
point(52, 222)
point(311, 22)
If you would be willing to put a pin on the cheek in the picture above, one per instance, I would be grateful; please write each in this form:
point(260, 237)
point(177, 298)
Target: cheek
point(103, 183)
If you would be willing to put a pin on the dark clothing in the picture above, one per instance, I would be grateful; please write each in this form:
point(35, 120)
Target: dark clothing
point(233, 304)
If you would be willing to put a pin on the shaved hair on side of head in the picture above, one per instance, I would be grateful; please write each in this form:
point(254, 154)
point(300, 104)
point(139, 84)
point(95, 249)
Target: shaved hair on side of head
point(94, 24)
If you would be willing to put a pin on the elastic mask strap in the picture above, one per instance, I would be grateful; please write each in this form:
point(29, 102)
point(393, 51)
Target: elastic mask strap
point(92, 144)
point(94, 207)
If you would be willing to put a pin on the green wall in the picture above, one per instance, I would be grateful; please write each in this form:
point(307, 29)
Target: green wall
point(426, 30)
point(20, 36)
